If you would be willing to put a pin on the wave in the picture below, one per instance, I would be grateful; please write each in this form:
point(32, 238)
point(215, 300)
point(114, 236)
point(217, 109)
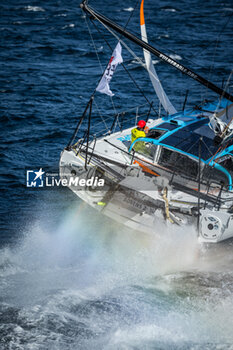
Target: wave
point(61, 15)
point(34, 8)
point(71, 25)
point(129, 9)
point(163, 36)
point(169, 9)
point(175, 57)
point(229, 9)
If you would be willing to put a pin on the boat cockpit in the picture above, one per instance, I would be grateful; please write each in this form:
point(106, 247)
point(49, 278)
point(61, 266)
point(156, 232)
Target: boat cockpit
point(178, 149)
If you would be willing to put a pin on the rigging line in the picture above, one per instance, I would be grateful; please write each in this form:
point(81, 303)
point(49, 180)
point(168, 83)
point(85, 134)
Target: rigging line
point(228, 81)
point(96, 51)
point(100, 114)
point(131, 109)
point(220, 149)
point(216, 46)
point(196, 143)
point(117, 122)
point(217, 43)
point(225, 88)
point(93, 43)
point(123, 43)
point(131, 15)
point(191, 147)
point(113, 104)
point(210, 152)
point(127, 71)
point(218, 37)
point(200, 53)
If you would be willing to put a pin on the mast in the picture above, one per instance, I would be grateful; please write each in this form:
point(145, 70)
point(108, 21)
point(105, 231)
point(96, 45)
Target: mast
point(187, 71)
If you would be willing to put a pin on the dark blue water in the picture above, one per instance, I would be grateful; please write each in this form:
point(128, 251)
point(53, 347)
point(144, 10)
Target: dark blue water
point(69, 278)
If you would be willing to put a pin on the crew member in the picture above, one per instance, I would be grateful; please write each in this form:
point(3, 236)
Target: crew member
point(138, 132)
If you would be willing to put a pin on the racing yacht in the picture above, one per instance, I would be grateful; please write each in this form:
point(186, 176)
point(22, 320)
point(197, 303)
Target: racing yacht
point(181, 174)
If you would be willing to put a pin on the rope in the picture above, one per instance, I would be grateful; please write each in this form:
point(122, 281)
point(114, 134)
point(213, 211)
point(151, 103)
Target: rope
point(131, 15)
point(215, 50)
point(104, 121)
point(110, 118)
point(93, 43)
point(167, 205)
point(217, 42)
point(101, 116)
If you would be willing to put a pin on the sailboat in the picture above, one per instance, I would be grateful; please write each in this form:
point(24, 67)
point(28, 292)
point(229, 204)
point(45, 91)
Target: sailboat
point(179, 173)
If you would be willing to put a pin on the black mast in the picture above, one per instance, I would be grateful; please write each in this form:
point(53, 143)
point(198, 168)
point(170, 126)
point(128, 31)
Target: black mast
point(104, 20)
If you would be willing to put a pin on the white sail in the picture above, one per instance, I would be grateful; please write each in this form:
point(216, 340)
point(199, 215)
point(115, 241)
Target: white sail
point(163, 98)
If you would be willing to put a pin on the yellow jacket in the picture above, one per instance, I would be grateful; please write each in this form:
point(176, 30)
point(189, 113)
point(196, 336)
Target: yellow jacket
point(135, 134)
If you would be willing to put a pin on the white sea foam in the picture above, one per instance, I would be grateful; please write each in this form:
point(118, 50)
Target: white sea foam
point(175, 57)
point(229, 9)
point(170, 10)
point(125, 288)
point(163, 36)
point(34, 8)
point(129, 9)
point(71, 25)
point(61, 15)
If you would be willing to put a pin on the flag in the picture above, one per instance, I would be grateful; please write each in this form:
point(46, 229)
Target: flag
point(116, 59)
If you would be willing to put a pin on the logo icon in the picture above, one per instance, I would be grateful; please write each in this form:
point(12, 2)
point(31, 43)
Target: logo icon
point(35, 178)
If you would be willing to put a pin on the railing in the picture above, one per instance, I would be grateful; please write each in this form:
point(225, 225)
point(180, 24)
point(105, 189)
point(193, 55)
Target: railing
point(87, 143)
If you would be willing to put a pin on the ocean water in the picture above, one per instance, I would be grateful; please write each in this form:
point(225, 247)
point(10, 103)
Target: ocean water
point(69, 277)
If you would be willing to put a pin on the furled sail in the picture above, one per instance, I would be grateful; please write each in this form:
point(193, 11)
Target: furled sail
point(162, 96)
point(222, 122)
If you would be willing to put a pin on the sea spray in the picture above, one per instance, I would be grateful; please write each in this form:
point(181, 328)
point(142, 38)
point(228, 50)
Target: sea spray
point(94, 284)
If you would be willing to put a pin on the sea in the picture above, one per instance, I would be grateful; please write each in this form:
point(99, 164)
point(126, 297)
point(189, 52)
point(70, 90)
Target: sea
point(70, 278)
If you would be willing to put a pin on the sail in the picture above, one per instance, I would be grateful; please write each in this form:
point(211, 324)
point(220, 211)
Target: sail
point(162, 96)
point(226, 114)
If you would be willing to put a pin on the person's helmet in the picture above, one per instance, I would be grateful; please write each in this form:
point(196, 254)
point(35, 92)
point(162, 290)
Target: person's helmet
point(141, 124)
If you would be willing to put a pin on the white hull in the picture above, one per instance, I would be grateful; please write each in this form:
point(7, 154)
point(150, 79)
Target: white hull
point(136, 213)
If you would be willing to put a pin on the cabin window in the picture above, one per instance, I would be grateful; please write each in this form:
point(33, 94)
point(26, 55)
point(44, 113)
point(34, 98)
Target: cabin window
point(147, 149)
point(178, 162)
point(227, 163)
point(214, 175)
point(155, 133)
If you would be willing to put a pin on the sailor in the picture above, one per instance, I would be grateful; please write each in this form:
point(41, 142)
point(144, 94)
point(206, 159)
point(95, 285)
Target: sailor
point(138, 132)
